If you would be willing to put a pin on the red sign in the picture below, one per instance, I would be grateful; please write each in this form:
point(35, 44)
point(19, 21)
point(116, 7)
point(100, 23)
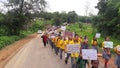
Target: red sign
point(68, 33)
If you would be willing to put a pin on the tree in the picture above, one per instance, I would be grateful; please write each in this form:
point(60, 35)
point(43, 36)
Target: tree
point(87, 10)
point(57, 19)
point(25, 6)
point(108, 17)
point(72, 17)
point(19, 14)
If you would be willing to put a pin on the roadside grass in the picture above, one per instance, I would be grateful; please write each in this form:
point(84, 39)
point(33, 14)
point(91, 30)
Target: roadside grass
point(88, 30)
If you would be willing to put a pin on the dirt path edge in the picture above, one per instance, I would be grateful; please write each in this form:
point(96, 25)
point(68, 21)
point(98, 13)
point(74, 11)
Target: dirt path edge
point(9, 51)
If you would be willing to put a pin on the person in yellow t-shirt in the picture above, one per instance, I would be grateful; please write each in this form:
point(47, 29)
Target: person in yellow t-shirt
point(55, 44)
point(80, 39)
point(58, 45)
point(94, 44)
point(117, 60)
point(70, 41)
point(74, 56)
point(61, 46)
point(76, 41)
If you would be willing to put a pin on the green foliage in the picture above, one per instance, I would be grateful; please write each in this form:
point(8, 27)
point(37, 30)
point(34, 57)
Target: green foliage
point(72, 17)
point(3, 30)
point(14, 22)
point(83, 19)
point(5, 40)
point(108, 19)
point(25, 33)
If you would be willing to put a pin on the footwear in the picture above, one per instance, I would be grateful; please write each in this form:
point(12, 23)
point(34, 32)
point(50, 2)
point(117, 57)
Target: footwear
point(65, 61)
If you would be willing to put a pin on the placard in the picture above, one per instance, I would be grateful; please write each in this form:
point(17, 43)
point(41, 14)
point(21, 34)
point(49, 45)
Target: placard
point(108, 44)
point(89, 54)
point(68, 33)
point(73, 48)
point(97, 35)
point(63, 28)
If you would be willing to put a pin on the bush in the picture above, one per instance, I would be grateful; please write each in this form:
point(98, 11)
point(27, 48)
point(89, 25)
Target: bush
point(25, 33)
point(6, 40)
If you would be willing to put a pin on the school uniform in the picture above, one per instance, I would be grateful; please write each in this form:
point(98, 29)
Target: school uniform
point(94, 45)
point(58, 46)
point(74, 56)
point(61, 48)
point(68, 54)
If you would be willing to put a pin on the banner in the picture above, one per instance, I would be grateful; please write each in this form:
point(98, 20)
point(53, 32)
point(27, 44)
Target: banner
point(97, 35)
point(73, 48)
point(108, 44)
point(68, 33)
point(89, 54)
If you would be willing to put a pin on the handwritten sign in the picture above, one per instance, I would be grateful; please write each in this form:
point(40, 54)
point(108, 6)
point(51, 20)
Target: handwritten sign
point(97, 35)
point(89, 54)
point(73, 48)
point(108, 44)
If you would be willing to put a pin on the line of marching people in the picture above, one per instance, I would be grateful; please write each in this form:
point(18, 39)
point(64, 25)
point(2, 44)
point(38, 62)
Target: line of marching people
point(58, 44)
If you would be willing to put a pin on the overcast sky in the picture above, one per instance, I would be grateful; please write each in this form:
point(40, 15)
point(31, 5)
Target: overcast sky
point(72, 5)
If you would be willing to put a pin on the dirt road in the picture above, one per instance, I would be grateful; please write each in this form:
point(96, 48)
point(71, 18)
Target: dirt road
point(35, 55)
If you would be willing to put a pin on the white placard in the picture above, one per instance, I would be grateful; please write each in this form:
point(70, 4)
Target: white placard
point(73, 48)
point(89, 54)
point(63, 28)
point(108, 44)
point(52, 37)
point(97, 35)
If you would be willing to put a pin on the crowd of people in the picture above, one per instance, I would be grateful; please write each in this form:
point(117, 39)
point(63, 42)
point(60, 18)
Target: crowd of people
point(59, 45)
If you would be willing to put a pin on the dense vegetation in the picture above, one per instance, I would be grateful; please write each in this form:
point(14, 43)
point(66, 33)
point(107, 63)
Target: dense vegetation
point(18, 22)
point(23, 19)
point(108, 19)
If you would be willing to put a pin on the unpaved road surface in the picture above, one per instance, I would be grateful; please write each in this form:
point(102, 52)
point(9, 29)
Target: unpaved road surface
point(35, 55)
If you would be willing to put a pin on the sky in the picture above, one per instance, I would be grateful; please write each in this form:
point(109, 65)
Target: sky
point(72, 5)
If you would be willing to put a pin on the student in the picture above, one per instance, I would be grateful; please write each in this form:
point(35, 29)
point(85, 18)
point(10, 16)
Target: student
point(55, 43)
point(85, 45)
point(70, 41)
point(58, 45)
point(45, 39)
point(95, 63)
point(74, 56)
point(94, 43)
point(117, 61)
point(106, 53)
point(61, 46)
point(52, 37)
